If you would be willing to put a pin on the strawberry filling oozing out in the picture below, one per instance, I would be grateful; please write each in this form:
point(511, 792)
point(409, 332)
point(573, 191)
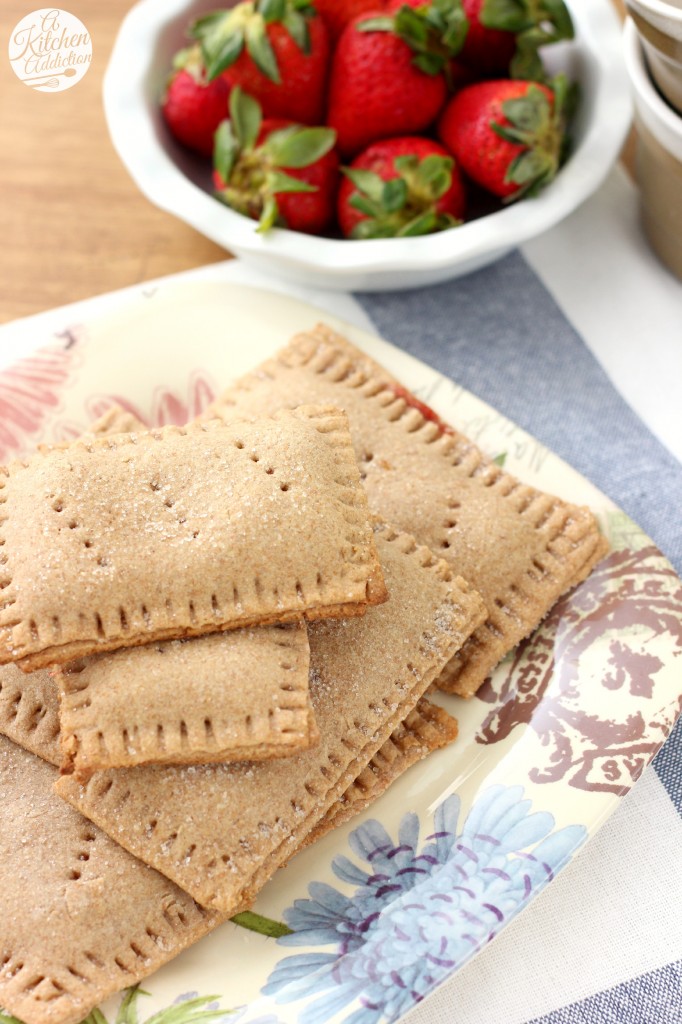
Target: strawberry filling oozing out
point(426, 410)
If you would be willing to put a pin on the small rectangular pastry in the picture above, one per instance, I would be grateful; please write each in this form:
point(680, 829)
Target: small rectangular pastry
point(241, 695)
point(134, 538)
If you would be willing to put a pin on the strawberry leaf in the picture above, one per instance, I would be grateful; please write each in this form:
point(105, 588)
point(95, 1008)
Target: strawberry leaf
point(278, 181)
point(380, 23)
point(394, 195)
point(218, 60)
point(372, 229)
point(366, 182)
point(429, 63)
point(526, 64)
point(505, 15)
point(272, 10)
point(364, 205)
point(424, 224)
point(296, 25)
point(527, 168)
point(529, 113)
point(300, 147)
point(435, 31)
point(246, 117)
point(226, 149)
point(434, 175)
point(407, 163)
point(260, 50)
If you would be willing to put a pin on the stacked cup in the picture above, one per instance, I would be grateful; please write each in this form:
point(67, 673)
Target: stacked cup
point(653, 49)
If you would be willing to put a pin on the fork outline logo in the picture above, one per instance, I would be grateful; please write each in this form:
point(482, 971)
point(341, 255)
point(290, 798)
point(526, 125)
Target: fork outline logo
point(50, 50)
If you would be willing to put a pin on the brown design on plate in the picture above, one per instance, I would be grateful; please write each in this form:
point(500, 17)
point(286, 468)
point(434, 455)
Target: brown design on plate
point(632, 598)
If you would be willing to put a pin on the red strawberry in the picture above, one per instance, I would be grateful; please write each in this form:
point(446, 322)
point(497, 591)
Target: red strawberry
point(338, 13)
point(400, 187)
point(488, 50)
point(274, 171)
point(507, 135)
point(276, 50)
point(387, 74)
point(504, 35)
point(192, 106)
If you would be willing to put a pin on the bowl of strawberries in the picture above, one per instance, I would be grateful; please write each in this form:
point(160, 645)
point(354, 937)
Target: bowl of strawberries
point(368, 144)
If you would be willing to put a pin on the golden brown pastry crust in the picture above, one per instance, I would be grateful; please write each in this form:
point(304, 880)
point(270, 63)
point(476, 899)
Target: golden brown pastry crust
point(179, 532)
point(233, 696)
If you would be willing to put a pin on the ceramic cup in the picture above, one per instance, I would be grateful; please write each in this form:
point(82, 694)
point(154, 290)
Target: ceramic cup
point(659, 158)
point(659, 23)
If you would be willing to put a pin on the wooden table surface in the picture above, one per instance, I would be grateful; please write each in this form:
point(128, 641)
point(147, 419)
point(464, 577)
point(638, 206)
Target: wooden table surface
point(72, 222)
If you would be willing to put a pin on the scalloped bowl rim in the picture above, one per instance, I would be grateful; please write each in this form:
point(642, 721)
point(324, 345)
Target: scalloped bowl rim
point(130, 120)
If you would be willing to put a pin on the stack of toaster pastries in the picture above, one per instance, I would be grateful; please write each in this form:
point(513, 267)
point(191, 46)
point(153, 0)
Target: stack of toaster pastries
point(215, 645)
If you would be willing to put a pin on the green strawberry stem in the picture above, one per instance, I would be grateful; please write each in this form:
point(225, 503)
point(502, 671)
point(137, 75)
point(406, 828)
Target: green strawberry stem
point(540, 127)
point(260, 924)
point(435, 32)
point(253, 173)
point(224, 35)
point(536, 23)
point(404, 206)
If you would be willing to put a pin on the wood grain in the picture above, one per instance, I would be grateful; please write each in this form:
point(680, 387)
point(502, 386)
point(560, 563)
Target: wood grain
point(72, 221)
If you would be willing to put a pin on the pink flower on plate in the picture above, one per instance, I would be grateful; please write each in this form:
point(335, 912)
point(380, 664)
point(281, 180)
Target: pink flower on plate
point(166, 405)
point(30, 390)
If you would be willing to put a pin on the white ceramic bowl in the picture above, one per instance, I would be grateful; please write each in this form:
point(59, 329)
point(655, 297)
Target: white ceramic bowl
point(659, 157)
point(660, 27)
point(179, 183)
point(652, 112)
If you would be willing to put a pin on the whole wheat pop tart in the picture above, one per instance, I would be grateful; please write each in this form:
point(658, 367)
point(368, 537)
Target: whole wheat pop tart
point(519, 547)
point(220, 831)
point(81, 918)
point(134, 538)
point(29, 711)
point(239, 695)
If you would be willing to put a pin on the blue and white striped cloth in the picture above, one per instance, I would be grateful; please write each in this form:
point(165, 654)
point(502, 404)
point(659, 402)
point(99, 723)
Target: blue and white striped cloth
point(577, 338)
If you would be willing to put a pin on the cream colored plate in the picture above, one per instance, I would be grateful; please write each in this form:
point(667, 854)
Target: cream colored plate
point(545, 752)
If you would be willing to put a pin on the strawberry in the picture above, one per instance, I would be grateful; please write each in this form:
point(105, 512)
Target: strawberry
point(192, 106)
point(276, 50)
point(387, 73)
point(274, 171)
point(338, 13)
point(400, 187)
point(508, 135)
point(504, 35)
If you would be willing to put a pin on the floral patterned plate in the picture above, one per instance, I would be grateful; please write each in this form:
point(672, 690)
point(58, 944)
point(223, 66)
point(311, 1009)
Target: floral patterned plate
point(361, 926)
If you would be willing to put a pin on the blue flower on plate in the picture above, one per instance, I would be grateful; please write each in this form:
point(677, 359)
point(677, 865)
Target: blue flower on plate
point(417, 914)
